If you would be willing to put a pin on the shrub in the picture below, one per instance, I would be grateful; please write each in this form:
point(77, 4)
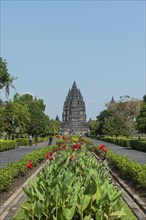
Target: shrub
point(7, 145)
point(14, 170)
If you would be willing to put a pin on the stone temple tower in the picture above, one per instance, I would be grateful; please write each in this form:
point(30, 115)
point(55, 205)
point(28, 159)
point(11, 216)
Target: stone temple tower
point(74, 113)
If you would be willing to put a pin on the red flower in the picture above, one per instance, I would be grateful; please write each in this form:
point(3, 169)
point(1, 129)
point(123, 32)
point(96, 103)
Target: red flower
point(71, 157)
point(64, 147)
point(29, 164)
point(64, 137)
point(101, 146)
point(104, 149)
point(49, 156)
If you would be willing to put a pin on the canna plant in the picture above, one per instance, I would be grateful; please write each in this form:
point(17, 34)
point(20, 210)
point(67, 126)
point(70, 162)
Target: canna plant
point(73, 186)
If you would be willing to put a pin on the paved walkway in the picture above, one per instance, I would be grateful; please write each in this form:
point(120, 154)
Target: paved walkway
point(134, 155)
point(16, 154)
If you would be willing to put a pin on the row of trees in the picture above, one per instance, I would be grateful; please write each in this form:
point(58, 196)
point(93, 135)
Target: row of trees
point(126, 117)
point(24, 114)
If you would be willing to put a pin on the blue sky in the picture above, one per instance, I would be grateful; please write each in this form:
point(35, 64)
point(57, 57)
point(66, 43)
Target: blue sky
point(99, 44)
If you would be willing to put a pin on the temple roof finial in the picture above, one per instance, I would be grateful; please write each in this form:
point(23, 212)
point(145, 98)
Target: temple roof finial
point(112, 100)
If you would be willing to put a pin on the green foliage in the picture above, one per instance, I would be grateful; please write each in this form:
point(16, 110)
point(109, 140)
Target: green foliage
point(94, 127)
point(102, 118)
point(14, 170)
point(22, 141)
point(141, 119)
point(134, 144)
point(127, 169)
point(66, 189)
point(4, 75)
point(128, 109)
point(7, 145)
point(115, 126)
point(6, 80)
point(6, 115)
point(138, 145)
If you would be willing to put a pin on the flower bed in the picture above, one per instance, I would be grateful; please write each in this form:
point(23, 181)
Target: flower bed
point(74, 185)
point(130, 170)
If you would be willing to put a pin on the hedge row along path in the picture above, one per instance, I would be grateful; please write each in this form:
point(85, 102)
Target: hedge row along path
point(16, 154)
point(134, 155)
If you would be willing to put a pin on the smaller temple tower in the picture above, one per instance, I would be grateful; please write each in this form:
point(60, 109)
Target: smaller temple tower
point(74, 113)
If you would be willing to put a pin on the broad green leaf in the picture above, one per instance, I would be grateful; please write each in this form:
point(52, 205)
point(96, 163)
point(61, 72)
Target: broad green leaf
point(88, 218)
point(99, 215)
point(117, 196)
point(85, 202)
point(68, 213)
point(38, 210)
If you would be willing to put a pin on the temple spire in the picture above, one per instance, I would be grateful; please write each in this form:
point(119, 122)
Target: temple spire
point(74, 113)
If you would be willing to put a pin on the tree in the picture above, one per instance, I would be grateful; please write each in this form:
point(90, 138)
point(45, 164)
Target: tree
point(6, 80)
point(14, 115)
point(6, 115)
point(94, 127)
point(37, 120)
point(141, 119)
point(128, 108)
point(101, 119)
point(21, 117)
point(115, 126)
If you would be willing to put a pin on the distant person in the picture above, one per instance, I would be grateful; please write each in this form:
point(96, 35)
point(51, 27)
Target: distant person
point(30, 140)
point(50, 139)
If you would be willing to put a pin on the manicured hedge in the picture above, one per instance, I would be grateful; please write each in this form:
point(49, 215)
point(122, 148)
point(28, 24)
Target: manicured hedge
point(134, 144)
point(7, 145)
point(22, 141)
point(11, 144)
point(138, 145)
point(16, 169)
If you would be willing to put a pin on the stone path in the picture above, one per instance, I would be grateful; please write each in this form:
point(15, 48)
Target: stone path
point(134, 155)
point(16, 154)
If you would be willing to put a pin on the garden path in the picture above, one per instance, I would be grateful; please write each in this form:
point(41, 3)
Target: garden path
point(16, 154)
point(134, 155)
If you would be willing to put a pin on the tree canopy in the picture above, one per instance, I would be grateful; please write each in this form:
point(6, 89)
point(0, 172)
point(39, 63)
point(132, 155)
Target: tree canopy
point(141, 119)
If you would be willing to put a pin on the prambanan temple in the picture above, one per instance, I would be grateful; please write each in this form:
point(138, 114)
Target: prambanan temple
point(74, 112)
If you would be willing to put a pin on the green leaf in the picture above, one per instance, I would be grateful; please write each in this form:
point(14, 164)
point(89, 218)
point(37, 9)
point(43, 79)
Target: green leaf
point(118, 214)
point(68, 213)
point(99, 215)
point(88, 218)
point(38, 210)
point(85, 201)
point(117, 196)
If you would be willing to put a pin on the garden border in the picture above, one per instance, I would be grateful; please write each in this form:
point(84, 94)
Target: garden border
point(133, 201)
point(14, 199)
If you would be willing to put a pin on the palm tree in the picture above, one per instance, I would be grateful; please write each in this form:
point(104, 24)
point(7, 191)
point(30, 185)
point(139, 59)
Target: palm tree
point(6, 80)
point(9, 84)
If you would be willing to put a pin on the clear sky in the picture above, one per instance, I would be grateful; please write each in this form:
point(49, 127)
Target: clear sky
point(99, 44)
